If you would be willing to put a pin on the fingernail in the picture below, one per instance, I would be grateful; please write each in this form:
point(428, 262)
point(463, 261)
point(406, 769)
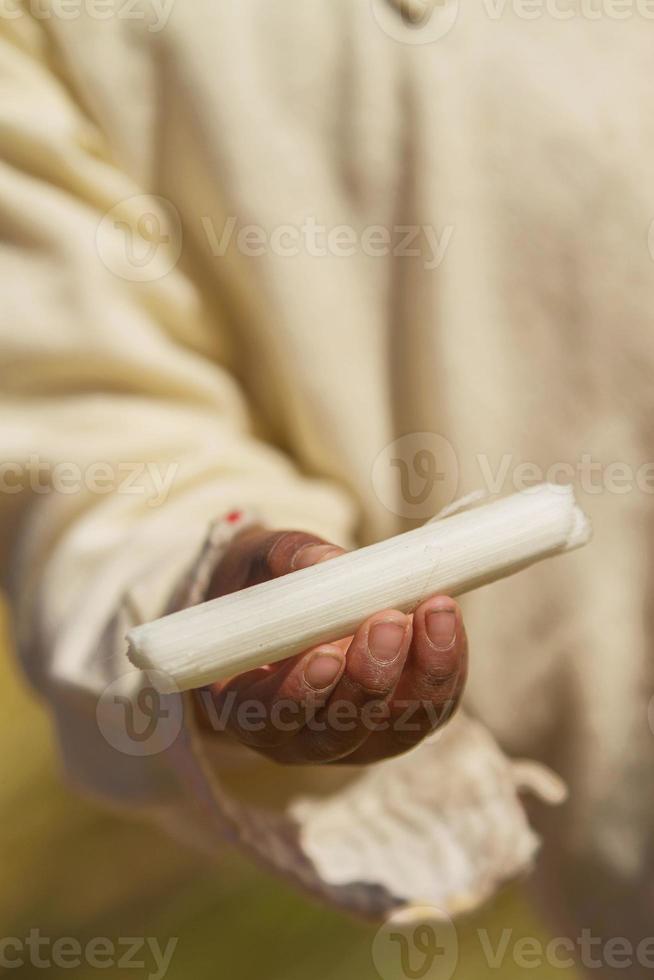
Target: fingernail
point(322, 670)
point(385, 641)
point(441, 628)
point(311, 554)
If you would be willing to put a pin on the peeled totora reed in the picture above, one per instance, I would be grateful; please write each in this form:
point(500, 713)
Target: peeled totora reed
point(277, 619)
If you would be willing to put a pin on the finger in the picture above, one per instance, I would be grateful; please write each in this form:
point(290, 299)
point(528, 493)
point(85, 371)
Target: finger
point(257, 555)
point(433, 680)
point(283, 552)
point(263, 709)
point(289, 551)
point(373, 667)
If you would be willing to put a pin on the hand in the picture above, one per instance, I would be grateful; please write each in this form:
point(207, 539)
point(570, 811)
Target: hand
point(359, 699)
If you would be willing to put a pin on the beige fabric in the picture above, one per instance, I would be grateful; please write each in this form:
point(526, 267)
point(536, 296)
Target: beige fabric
point(274, 381)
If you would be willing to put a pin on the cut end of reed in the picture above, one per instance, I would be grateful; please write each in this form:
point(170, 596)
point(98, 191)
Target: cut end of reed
point(582, 529)
point(134, 655)
point(137, 654)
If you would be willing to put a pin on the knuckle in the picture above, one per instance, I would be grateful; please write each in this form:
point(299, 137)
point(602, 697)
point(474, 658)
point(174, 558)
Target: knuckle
point(367, 685)
point(337, 734)
point(280, 549)
point(443, 671)
point(255, 556)
point(267, 723)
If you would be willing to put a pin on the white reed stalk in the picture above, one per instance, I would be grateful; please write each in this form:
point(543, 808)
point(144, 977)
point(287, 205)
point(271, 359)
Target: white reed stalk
point(277, 619)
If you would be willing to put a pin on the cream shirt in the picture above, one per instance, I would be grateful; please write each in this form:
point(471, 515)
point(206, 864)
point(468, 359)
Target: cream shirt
point(178, 290)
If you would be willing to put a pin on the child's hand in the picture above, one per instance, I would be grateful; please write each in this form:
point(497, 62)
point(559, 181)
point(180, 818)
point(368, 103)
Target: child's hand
point(360, 699)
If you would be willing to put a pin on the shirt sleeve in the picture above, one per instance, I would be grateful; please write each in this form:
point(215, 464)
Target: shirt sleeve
point(124, 436)
point(124, 440)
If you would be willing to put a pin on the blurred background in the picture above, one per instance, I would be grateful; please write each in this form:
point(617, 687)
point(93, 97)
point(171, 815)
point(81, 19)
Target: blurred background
point(70, 868)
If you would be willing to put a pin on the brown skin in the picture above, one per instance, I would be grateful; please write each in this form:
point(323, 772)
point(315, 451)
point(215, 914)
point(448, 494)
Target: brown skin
point(357, 700)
